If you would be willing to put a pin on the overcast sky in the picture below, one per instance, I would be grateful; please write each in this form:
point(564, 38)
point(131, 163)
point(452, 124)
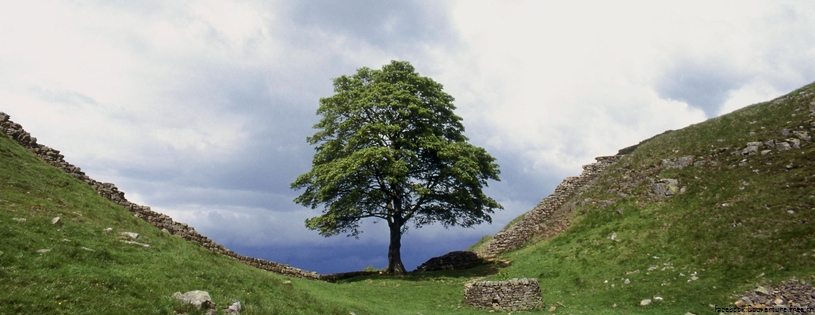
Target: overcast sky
point(201, 109)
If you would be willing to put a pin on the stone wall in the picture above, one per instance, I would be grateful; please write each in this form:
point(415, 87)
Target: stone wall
point(513, 237)
point(161, 221)
point(509, 296)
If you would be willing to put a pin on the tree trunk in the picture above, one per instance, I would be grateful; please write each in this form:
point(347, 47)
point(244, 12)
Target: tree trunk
point(395, 265)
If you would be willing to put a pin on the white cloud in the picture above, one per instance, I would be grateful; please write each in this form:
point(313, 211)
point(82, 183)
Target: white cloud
point(201, 108)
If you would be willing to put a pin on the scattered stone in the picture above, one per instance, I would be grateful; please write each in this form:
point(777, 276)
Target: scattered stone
point(803, 135)
point(136, 243)
point(197, 298)
point(287, 282)
point(19, 219)
point(88, 249)
point(552, 309)
point(108, 230)
point(795, 143)
point(689, 313)
point(613, 236)
point(791, 293)
point(769, 143)
point(657, 298)
point(56, 221)
point(785, 132)
point(645, 302)
point(752, 148)
point(680, 162)
point(131, 235)
point(784, 146)
point(627, 281)
point(43, 251)
point(211, 311)
point(234, 309)
point(765, 152)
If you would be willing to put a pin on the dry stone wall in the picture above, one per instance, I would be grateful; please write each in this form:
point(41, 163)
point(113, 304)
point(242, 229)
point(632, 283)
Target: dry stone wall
point(508, 296)
point(161, 221)
point(513, 237)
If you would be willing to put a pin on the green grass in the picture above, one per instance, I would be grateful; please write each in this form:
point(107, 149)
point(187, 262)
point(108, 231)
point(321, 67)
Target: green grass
point(764, 235)
point(90, 271)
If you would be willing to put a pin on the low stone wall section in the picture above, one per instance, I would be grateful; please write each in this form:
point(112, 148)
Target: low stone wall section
point(513, 237)
point(508, 296)
point(160, 220)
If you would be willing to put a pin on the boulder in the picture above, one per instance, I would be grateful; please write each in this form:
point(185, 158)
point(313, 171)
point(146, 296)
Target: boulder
point(451, 261)
point(197, 298)
point(666, 187)
point(234, 309)
point(803, 135)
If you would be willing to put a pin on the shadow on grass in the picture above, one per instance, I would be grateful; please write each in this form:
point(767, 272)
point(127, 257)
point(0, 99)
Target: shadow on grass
point(477, 271)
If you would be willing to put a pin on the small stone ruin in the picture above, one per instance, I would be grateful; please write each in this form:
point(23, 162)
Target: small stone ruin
point(507, 296)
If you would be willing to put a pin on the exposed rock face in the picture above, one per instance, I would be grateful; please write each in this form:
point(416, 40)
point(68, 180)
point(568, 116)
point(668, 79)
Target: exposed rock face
point(508, 296)
point(513, 237)
point(451, 261)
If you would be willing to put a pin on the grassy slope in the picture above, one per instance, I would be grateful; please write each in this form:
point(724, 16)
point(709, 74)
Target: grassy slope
point(755, 239)
point(115, 277)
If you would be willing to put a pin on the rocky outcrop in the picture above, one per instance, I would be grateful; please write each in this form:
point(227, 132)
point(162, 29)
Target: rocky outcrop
point(159, 220)
point(514, 236)
point(456, 260)
point(791, 297)
point(508, 296)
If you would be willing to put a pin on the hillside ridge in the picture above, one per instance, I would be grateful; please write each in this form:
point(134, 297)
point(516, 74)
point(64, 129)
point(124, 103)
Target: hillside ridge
point(161, 221)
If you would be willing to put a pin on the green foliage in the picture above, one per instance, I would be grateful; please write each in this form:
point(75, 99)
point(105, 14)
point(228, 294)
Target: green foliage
point(390, 147)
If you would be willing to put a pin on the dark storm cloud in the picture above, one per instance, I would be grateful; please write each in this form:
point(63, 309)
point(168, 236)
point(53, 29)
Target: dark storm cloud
point(702, 85)
point(387, 25)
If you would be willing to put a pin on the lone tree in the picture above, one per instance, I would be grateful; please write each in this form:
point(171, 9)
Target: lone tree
point(390, 147)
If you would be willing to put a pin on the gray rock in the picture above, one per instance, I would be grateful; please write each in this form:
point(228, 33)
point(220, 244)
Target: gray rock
point(131, 235)
point(55, 221)
point(197, 298)
point(234, 309)
point(680, 162)
point(803, 135)
point(43, 251)
point(136, 243)
point(795, 143)
point(784, 146)
point(765, 152)
point(785, 132)
point(769, 143)
point(751, 149)
point(108, 230)
point(19, 219)
point(645, 302)
point(666, 187)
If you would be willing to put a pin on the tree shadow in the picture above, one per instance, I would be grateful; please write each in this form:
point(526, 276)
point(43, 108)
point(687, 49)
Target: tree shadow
point(486, 269)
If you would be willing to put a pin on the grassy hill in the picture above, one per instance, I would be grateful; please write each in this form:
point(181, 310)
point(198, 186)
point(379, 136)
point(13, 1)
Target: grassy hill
point(734, 221)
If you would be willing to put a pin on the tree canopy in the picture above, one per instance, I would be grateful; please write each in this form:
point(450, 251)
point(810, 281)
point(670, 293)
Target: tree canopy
point(389, 147)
